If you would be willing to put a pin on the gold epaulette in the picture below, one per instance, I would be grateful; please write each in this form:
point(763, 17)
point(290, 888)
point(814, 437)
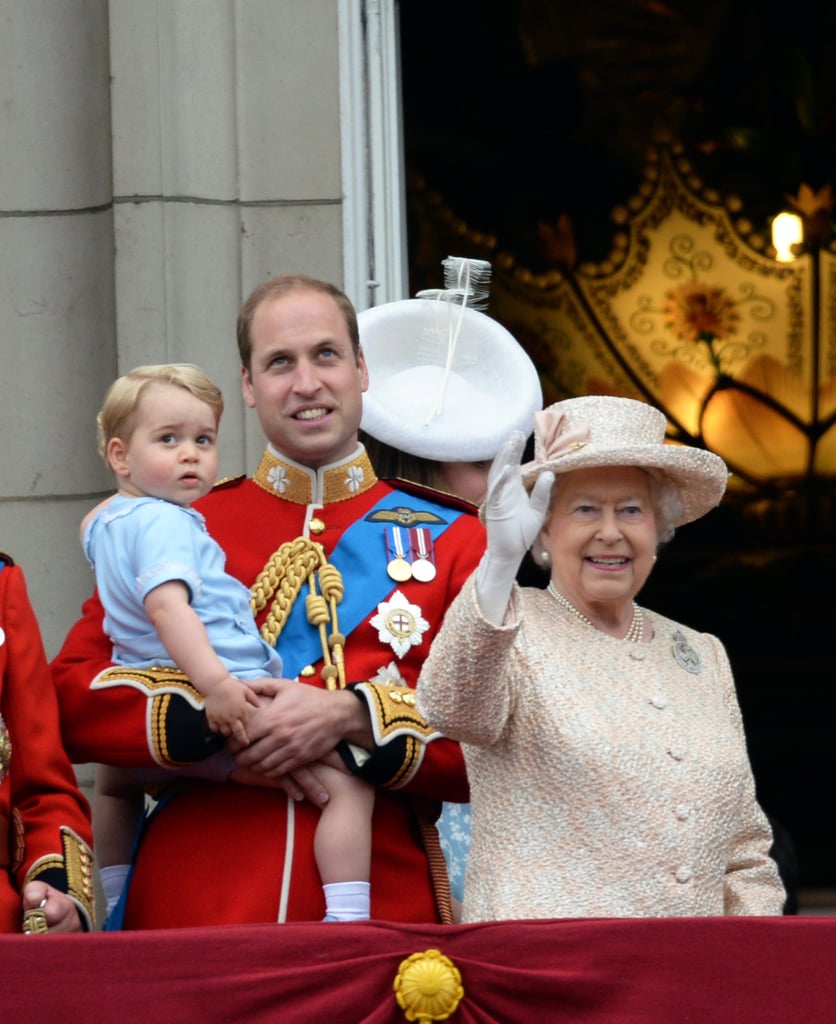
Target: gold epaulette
point(229, 481)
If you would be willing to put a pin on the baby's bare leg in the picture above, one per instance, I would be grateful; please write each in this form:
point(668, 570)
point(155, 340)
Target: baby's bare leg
point(343, 844)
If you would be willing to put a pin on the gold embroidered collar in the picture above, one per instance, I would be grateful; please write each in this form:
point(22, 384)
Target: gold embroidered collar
point(305, 486)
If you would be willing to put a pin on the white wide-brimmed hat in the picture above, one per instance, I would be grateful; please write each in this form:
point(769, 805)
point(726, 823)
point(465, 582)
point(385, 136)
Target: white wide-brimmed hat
point(603, 430)
point(446, 382)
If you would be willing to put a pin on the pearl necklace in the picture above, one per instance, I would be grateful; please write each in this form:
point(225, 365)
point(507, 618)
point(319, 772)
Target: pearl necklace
point(633, 634)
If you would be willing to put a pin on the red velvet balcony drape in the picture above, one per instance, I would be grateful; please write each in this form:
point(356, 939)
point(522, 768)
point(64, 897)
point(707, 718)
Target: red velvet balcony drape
point(670, 971)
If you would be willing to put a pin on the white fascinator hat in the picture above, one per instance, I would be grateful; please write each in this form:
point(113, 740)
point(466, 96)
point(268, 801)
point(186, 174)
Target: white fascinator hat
point(446, 381)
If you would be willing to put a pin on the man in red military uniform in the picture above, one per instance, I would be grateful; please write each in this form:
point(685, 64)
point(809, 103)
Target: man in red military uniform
point(375, 569)
point(46, 864)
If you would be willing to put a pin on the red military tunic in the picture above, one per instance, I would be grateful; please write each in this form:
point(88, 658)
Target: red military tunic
point(44, 818)
point(219, 853)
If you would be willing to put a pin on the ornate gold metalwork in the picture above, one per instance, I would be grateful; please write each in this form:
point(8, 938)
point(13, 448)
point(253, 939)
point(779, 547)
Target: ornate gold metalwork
point(151, 681)
point(34, 922)
point(428, 987)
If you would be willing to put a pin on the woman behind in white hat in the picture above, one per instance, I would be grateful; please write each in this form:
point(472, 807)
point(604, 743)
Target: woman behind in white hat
point(447, 384)
point(604, 745)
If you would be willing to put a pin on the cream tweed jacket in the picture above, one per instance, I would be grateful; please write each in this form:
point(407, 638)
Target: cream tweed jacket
point(607, 778)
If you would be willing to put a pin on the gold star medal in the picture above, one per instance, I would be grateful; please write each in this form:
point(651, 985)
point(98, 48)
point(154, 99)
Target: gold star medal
point(397, 565)
point(423, 559)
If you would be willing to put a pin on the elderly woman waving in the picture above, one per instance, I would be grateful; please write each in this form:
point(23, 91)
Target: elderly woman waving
point(604, 745)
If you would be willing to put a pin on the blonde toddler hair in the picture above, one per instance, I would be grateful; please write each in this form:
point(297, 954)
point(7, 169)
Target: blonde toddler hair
point(116, 416)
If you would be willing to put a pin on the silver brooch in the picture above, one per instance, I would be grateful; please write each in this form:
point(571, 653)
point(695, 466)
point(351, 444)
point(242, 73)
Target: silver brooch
point(685, 654)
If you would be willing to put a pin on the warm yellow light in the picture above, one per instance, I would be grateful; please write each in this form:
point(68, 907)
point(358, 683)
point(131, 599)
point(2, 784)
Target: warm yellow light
point(787, 233)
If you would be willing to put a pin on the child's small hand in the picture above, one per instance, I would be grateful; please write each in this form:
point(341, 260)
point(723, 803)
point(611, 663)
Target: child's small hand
point(228, 706)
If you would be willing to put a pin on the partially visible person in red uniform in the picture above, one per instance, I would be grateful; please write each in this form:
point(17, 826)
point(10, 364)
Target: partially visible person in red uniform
point(46, 863)
point(314, 522)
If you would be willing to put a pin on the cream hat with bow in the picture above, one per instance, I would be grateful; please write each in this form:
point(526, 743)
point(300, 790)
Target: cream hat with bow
point(603, 430)
point(446, 382)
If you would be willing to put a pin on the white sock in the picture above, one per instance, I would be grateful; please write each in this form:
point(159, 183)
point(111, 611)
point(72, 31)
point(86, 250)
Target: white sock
point(347, 901)
point(113, 880)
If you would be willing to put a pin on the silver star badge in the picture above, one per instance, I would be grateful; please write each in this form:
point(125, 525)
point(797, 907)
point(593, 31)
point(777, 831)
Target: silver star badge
point(399, 624)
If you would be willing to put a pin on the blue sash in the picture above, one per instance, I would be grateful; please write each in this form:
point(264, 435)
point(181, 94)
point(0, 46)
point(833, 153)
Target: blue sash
point(360, 556)
point(115, 920)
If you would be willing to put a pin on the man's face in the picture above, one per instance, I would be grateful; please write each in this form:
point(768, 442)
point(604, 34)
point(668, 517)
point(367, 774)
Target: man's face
point(304, 380)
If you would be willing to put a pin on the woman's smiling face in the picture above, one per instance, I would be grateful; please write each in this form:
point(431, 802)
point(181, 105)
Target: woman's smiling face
point(601, 535)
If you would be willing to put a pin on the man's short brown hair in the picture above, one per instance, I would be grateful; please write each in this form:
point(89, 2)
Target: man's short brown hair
point(277, 288)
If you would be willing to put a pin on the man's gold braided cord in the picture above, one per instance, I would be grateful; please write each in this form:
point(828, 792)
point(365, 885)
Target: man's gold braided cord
point(281, 580)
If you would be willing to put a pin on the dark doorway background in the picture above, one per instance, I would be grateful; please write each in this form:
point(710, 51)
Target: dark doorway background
point(520, 115)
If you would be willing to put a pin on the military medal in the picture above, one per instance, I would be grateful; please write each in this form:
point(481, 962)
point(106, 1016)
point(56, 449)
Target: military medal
point(423, 559)
point(397, 565)
point(400, 624)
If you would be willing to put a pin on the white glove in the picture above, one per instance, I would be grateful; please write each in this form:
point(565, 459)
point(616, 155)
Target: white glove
point(513, 519)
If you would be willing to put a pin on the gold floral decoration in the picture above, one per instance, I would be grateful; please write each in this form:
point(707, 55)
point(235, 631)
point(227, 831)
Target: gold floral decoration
point(557, 242)
point(815, 207)
point(696, 311)
point(428, 987)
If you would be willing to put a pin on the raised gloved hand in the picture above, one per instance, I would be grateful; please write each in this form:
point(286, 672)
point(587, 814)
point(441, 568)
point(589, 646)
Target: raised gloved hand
point(513, 518)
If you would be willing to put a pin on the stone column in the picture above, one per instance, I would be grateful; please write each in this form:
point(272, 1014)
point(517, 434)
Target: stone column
point(157, 160)
point(226, 157)
point(56, 290)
